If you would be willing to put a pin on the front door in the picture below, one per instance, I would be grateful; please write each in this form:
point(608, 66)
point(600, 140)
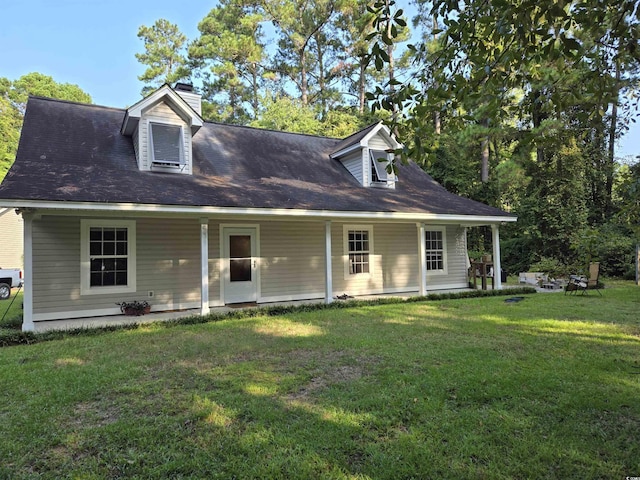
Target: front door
point(240, 272)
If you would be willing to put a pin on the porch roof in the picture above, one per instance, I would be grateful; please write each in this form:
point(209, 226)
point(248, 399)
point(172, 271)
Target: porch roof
point(72, 152)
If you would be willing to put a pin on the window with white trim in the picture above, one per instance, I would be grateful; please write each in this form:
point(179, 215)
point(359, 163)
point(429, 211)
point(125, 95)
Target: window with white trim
point(166, 145)
point(108, 259)
point(436, 249)
point(378, 168)
point(358, 248)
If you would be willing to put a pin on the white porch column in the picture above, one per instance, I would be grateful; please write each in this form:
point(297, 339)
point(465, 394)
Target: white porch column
point(27, 312)
point(328, 275)
point(422, 260)
point(497, 270)
point(204, 266)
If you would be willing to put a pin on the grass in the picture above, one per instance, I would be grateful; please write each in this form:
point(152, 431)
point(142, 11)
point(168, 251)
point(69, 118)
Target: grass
point(471, 388)
point(11, 310)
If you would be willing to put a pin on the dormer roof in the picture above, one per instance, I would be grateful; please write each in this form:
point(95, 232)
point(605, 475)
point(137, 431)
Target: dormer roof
point(163, 94)
point(361, 139)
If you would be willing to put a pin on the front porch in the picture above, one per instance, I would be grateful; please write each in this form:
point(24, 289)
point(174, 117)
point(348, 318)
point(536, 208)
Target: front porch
point(116, 320)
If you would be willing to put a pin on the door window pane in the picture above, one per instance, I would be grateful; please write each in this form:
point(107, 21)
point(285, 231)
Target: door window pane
point(240, 270)
point(239, 246)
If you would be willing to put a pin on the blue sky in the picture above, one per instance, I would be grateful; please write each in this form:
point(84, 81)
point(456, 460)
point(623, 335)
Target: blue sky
point(92, 43)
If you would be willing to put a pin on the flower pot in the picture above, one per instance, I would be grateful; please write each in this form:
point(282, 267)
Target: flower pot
point(136, 312)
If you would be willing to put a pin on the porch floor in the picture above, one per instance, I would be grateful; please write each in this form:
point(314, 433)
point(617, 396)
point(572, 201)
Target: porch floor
point(96, 322)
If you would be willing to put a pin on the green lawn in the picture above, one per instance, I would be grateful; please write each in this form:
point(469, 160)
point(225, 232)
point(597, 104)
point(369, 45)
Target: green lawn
point(476, 388)
point(11, 310)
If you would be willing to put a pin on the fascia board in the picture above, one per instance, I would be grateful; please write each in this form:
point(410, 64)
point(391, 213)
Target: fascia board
point(345, 151)
point(257, 212)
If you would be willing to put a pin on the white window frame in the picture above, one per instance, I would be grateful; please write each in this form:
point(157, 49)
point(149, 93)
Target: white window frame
point(443, 230)
point(377, 167)
point(345, 238)
point(85, 258)
point(183, 162)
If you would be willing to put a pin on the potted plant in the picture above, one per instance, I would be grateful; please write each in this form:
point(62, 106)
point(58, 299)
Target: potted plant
point(135, 308)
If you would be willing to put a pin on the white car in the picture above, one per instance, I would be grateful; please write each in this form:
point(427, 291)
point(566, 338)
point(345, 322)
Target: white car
point(9, 278)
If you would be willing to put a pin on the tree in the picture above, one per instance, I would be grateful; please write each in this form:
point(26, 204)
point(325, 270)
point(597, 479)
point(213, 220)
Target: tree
point(13, 102)
point(164, 55)
point(298, 22)
point(489, 49)
point(280, 112)
point(231, 46)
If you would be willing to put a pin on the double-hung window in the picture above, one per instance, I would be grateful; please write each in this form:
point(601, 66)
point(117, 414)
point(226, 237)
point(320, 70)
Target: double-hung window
point(436, 252)
point(108, 257)
point(358, 246)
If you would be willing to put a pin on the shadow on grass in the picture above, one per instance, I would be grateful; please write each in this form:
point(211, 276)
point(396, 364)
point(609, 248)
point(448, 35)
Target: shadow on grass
point(454, 389)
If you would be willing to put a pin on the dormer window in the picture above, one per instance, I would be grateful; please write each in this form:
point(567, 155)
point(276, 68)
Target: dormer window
point(379, 164)
point(367, 154)
point(167, 145)
point(162, 126)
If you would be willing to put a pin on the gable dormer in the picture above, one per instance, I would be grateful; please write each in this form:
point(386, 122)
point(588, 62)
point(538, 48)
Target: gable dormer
point(162, 126)
point(366, 155)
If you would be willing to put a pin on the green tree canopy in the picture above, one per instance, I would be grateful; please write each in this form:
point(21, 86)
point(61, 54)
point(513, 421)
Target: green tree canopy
point(13, 101)
point(164, 55)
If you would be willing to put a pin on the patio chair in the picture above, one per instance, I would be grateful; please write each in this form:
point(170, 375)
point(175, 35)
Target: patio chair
point(583, 284)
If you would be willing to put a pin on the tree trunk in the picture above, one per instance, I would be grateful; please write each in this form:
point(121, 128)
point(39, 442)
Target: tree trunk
point(484, 167)
point(255, 99)
point(303, 78)
point(361, 86)
point(612, 145)
point(436, 116)
point(537, 117)
point(321, 83)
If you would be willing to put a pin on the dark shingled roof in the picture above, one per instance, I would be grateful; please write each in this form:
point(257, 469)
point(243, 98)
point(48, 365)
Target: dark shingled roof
point(75, 152)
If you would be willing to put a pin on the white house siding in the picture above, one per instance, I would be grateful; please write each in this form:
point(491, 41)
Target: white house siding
point(214, 263)
point(291, 264)
point(396, 244)
point(353, 163)
point(11, 239)
point(377, 143)
point(456, 276)
point(360, 284)
point(136, 146)
point(168, 264)
point(292, 260)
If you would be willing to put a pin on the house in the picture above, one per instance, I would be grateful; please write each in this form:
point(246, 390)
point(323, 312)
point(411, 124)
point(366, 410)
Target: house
point(153, 203)
point(10, 239)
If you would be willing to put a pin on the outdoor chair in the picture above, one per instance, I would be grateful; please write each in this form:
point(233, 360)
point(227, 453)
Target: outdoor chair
point(583, 284)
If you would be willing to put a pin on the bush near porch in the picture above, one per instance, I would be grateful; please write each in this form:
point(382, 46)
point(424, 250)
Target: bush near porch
point(472, 388)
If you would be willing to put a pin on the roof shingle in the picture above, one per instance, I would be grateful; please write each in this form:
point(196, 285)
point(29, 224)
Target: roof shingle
point(75, 153)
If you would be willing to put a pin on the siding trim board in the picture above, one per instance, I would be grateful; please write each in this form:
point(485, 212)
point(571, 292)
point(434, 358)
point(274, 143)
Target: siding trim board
point(232, 213)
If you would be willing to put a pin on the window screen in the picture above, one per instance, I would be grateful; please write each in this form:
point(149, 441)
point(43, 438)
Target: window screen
point(166, 140)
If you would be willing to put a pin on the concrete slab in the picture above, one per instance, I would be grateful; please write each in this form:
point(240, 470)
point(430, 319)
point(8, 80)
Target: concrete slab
point(115, 320)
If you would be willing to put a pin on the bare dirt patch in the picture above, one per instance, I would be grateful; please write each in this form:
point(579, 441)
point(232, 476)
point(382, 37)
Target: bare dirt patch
point(329, 368)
